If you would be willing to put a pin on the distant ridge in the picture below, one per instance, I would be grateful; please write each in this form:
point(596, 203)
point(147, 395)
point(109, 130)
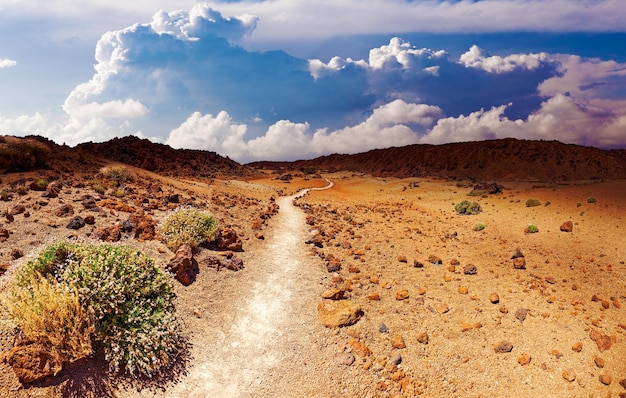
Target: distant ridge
point(503, 160)
point(166, 160)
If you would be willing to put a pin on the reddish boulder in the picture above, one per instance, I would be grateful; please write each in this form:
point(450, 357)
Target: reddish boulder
point(109, 234)
point(567, 226)
point(4, 234)
point(64, 210)
point(34, 361)
point(228, 240)
point(143, 226)
point(603, 341)
point(184, 266)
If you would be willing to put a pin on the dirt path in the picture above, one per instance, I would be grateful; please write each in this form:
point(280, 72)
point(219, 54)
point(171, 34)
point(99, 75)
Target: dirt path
point(264, 328)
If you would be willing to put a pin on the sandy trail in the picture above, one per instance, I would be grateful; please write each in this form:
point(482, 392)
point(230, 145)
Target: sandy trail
point(269, 331)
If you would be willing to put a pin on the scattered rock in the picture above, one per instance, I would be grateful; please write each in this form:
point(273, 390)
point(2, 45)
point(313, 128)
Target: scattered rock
point(402, 259)
point(228, 261)
point(228, 240)
point(89, 203)
point(17, 209)
point(382, 328)
point(422, 337)
point(34, 361)
point(470, 269)
point(333, 265)
point(550, 280)
point(418, 264)
point(374, 297)
point(502, 347)
point(16, 253)
point(76, 222)
point(517, 253)
point(578, 346)
point(184, 266)
point(442, 308)
point(315, 239)
point(521, 314)
point(359, 347)
point(333, 294)
point(569, 375)
point(519, 263)
point(402, 294)
point(397, 360)
point(524, 359)
point(603, 341)
point(599, 362)
point(334, 314)
point(605, 379)
point(112, 233)
point(567, 226)
point(4, 234)
point(89, 220)
point(344, 359)
point(494, 298)
point(435, 260)
point(463, 290)
point(623, 383)
point(64, 210)
point(142, 226)
point(398, 342)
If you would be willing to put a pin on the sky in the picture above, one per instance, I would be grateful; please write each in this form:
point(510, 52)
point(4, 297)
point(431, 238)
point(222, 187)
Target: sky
point(297, 79)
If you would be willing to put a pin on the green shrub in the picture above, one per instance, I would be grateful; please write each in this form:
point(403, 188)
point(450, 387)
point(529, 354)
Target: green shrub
point(40, 184)
point(5, 195)
point(479, 227)
point(532, 229)
point(592, 200)
point(533, 202)
point(119, 193)
point(118, 172)
point(188, 227)
point(466, 207)
point(129, 299)
point(99, 188)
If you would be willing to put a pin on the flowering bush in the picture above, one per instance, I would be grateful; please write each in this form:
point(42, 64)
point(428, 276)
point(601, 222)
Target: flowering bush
point(128, 298)
point(188, 227)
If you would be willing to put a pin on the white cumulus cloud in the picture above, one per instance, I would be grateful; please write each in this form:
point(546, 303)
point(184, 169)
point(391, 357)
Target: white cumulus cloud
point(475, 58)
point(7, 63)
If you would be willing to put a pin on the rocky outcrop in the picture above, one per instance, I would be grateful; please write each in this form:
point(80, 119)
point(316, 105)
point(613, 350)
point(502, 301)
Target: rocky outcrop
point(184, 266)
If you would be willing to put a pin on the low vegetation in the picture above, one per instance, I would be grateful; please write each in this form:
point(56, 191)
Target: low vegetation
point(467, 208)
point(188, 227)
point(592, 200)
point(119, 173)
point(22, 154)
point(532, 229)
point(74, 297)
point(479, 227)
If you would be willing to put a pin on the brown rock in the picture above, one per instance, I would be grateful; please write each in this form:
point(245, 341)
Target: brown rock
point(34, 361)
point(623, 383)
point(603, 341)
point(334, 314)
point(359, 347)
point(519, 263)
point(599, 362)
point(550, 280)
point(605, 379)
point(4, 234)
point(184, 266)
point(442, 308)
point(470, 269)
point(569, 375)
point(463, 290)
point(333, 294)
point(89, 220)
point(521, 314)
point(524, 359)
point(435, 260)
point(316, 240)
point(504, 310)
point(418, 264)
point(75, 223)
point(422, 337)
point(494, 298)
point(64, 210)
point(502, 347)
point(567, 226)
point(454, 262)
point(402, 259)
point(143, 226)
point(109, 234)
point(344, 358)
point(398, 342)
point(402, 294)
point(16, 253)
point(228, 240)
point(578, 346)
point(374, 297)
point(17, 209)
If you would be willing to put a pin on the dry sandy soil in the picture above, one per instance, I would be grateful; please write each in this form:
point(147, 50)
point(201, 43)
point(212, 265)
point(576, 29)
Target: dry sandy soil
point(428, 330)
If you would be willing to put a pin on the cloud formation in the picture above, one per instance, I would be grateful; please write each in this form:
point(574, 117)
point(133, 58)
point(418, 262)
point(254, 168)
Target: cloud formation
point(7, 63)
point(186, 78)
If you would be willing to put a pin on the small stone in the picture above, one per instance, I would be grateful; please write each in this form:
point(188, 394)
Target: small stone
point(462, 289)
point(418, 264)
point(451, 268)
point(422, 337)
point(550, 280)
point(398, 342)
point(599, 362)
point(454, 261)
point(197, 313)
point(442, 308)
point(567, 226)
point(466, 327)
point(89, 220)
point(569, 375)
point(623, 383)
point(397, 360)
point(502, 347)
point(470, 269)
point(333, 294)
point(16, 253)
point(494, 298)
point(603, 341)
point(421, 291)
point(519, 263)
point(76, 223)
point(605, 379)
point(504, 310)
point(521, 314)
point(402, 259)
point(402, 294)
point(382, 328)
point(435, 260)
point(374, 297)
point(524, 359)
point(447, 278)
point(578, 346)
point(344, 358)
point(334, 314)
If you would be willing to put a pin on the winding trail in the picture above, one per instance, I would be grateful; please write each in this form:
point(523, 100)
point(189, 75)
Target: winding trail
point(264, 335)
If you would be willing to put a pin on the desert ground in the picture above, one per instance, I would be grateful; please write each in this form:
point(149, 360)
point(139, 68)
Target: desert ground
point(443, 310)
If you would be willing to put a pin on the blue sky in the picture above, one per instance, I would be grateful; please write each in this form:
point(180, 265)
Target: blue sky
point(292, 79)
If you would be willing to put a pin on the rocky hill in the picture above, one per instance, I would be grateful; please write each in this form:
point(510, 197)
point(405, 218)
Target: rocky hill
point(505, 159)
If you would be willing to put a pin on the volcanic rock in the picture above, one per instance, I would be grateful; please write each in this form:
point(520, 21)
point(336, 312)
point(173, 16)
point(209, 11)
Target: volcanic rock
point(567, 226)
point(603, 341)
point(34, 361)
point(502, 347)
point(64, 210)
point(334, 314)
point(184, 266)
point(228, 240)
point(76, 223)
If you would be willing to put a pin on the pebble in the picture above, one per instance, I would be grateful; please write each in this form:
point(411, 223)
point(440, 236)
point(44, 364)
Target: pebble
point(374, 297)
point(623, 383)
point(605, 379)
point(421, 291)
point(578, 346)
point(442, 308)
point(504, 310)
point(524, 359)
point(397, 360)
point(502, 347)
point(422, 337)
point(519, 263)
point(344, 358)
point(521, 314)
point(569, 375)
point(462, 289)
point(398, 342)
point(402, 294)
point(494, 298)
point(402, 259)
point(603, 341)
point(382, 328)
point(599, 362)
point(550, 280)
point(470, 269)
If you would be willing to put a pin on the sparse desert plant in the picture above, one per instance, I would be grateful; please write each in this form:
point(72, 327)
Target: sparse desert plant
point(118, 172)
point(592, 200)
point(129, 299)
point(532, 229)
point(533, 202)
point(50, 313)
point(5, 195)
point(99, 188)
point(479, 227)
point(21, 190)
point(548, 203)
point(40, 184)
point(467, 208)
point(21, 154)
point(188, 227)
point(578, 204)
point(347, 217)
point(119, 193)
